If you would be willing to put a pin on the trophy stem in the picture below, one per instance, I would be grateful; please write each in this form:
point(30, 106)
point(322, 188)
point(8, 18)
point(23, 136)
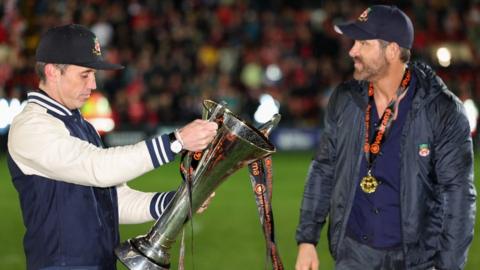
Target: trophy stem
point(133, 259)
point(154, 247)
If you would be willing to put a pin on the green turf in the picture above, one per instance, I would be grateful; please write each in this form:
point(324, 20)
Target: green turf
point(227, 236)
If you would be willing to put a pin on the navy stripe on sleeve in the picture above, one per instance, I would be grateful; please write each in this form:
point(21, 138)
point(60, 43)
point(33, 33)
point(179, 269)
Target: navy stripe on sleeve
point(168, 152)
point(159, 150)
point(159, 203)
point(151, 151)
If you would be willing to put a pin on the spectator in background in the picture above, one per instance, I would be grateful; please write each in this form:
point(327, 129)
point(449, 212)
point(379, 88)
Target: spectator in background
point(72, 191)
point(394, 168)
point(295, 36)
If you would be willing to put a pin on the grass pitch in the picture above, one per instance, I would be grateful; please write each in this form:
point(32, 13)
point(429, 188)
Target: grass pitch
point(226, 236)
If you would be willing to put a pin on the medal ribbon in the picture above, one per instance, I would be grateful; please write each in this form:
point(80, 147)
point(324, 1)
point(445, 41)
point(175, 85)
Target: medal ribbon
point(372, 149)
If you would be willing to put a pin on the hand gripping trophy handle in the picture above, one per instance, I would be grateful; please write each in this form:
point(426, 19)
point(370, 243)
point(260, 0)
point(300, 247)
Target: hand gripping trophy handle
point(236, 145)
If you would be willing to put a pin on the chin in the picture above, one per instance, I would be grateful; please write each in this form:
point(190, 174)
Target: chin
point(358, 76)
point(80, 104)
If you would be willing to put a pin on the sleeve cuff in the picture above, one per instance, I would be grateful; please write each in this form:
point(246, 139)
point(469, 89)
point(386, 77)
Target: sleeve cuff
point(159, 150)
point(159, 203)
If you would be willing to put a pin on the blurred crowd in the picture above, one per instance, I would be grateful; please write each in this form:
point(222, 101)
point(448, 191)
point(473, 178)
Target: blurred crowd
point(178, 53)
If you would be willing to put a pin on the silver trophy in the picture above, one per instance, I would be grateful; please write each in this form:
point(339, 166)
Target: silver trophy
point(236, 145)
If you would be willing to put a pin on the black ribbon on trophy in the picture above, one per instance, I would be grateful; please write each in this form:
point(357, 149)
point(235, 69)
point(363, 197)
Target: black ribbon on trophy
point(262, 181)
point(188, 164)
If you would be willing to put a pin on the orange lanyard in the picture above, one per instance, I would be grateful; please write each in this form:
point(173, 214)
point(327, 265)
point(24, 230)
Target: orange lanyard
point(385, 121)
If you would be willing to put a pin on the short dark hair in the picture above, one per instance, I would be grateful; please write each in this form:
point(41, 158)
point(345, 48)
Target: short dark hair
point(40, 69)
point(404, 52)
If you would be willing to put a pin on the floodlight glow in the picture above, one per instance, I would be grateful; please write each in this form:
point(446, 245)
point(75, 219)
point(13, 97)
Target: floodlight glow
point(444, 56)
point(472, 114)
point(8, 110)
point(273, 73)
point(16, 107)
point(4, 113)
point(98, 112)
point(102, 124)
point(267, 109)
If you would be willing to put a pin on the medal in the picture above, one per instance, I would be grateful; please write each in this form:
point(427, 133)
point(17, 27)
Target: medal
point(372, 148)
point(369, 183)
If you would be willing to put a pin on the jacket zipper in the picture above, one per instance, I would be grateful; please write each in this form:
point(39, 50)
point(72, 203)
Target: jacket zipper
point(353, 190)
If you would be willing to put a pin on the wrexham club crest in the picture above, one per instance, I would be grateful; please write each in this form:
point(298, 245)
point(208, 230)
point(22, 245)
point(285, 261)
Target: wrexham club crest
point(364, 16)
point(96, 47)
point(423, 150)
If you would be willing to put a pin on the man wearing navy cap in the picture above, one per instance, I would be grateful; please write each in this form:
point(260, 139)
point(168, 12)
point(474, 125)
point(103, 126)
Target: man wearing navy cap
point(394, 169)
point(72, 190)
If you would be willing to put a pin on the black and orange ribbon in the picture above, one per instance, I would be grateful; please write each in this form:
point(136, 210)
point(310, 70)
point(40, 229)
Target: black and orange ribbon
point(261, 178)
point(373, 149)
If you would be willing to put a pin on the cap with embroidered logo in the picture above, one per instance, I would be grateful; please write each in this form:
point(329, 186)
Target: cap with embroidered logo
point(384, 22)
point(72, 44)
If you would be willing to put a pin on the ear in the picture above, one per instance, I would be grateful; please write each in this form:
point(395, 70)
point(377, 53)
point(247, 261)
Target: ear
point(51, 72)
point(393, 51)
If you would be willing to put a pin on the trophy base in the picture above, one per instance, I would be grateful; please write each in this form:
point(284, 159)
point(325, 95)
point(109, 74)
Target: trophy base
point(134, 260)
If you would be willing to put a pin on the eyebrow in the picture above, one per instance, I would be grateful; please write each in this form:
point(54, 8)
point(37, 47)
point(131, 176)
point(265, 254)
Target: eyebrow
point(88, 71)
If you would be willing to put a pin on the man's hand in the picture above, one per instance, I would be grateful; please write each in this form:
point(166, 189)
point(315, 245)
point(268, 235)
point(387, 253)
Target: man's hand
point(205, 204)
point(196, 135)
point(307, 258)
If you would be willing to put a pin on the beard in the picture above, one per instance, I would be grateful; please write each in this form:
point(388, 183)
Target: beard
point(371, 70)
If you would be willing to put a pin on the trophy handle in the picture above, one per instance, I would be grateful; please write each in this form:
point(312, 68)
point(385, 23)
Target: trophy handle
point(266, 128)
point(218, 110)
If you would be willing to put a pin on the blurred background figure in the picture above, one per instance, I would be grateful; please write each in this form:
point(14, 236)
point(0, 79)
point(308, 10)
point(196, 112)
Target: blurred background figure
point(178, 53)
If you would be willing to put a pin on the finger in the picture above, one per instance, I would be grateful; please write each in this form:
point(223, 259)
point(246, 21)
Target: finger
point(213, 125)
point(200, 210)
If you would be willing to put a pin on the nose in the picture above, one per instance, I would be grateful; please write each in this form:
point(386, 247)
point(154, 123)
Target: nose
point(354, 50)
point(92, 83)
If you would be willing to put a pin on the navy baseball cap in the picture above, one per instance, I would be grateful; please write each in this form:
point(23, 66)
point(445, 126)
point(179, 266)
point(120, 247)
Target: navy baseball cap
point(72, 44)
point(380, 22)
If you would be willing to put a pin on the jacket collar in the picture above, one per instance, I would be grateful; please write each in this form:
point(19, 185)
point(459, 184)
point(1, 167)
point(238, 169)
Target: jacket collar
point(42, 99)
point(428, 86)
point(360, 93)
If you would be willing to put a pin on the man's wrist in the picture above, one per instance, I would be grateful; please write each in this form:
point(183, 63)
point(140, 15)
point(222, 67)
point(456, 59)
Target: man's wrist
point(176, 145)
point(179, 137)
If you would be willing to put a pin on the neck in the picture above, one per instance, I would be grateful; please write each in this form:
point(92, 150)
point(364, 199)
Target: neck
point(385, 88)
point(47, 88)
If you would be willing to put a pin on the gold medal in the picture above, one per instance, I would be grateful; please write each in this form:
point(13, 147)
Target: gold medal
point(369, 183)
